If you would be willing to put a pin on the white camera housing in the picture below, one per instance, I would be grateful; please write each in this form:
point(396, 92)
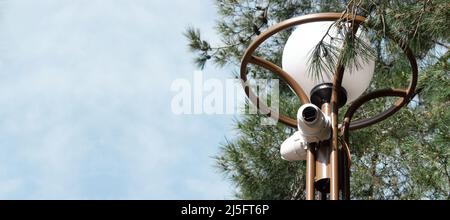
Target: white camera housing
point(294, 148)
point(313, 125)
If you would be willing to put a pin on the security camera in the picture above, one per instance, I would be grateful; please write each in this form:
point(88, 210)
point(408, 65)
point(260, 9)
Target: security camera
point(313, 125)
point(294, 148)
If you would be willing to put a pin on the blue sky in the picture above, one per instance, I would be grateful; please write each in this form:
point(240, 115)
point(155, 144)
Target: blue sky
point(85, 102)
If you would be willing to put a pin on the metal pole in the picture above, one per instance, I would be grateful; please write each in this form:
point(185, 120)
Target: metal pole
point(334, 161)
point(334, 158)
point(310, 173)
point(342, 172)
point(346, 188)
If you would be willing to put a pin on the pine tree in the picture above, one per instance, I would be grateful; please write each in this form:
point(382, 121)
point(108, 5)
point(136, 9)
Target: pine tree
point(405, 157)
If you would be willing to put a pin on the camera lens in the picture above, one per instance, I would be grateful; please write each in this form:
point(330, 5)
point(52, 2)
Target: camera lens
point(309, 114)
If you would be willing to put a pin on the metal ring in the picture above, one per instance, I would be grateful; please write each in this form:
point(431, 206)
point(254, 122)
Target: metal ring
point(406, 95)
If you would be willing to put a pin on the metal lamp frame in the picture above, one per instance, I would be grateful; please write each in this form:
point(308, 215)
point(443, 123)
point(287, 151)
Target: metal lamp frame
point(338, 130)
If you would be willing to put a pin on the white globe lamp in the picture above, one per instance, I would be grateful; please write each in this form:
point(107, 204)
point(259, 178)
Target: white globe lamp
point(296, 61)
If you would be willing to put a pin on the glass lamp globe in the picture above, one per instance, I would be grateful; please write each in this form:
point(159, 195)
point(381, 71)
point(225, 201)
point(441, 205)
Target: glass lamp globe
point(296, 60)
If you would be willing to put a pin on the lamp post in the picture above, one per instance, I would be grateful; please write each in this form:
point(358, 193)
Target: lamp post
point(321, 140)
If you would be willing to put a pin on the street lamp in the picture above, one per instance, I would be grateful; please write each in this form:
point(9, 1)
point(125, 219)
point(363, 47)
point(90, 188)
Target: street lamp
point(320, 139)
